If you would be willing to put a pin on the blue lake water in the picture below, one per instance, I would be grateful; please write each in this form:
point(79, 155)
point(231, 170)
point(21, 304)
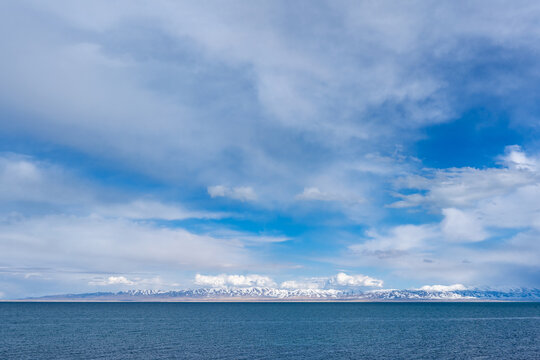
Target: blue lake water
point(269, 330)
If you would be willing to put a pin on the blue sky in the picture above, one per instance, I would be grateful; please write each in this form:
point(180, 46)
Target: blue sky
point(171, 145)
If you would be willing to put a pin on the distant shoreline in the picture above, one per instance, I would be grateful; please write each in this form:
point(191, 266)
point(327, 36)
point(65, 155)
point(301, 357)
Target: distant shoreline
point(271, 295)
point(260, 301)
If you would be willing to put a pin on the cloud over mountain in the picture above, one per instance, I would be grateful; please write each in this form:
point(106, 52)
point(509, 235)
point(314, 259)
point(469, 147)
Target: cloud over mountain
point(340, 280)
point(233, 280)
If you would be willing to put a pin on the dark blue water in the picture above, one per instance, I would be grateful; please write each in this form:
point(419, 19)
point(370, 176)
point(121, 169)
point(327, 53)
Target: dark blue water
point(269, 331)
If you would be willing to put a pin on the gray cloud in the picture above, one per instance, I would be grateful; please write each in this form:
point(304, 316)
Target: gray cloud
point(118, 81)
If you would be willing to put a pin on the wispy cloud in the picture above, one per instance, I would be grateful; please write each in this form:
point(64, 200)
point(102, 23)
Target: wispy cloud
point(233, 280)
point(242, 193)
point(474, 205)
point(113, 280)
point(313, 193)
point(151, 209)
point(437, 288)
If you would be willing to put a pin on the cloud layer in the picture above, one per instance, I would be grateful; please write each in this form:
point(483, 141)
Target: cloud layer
point(233, 280)
point(341, 280)
point(475, 206)
point(160, 141)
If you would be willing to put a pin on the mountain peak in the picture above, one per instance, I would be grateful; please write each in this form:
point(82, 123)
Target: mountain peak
point(269, 293)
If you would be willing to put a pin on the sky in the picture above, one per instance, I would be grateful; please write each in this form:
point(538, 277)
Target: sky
point(307, 144)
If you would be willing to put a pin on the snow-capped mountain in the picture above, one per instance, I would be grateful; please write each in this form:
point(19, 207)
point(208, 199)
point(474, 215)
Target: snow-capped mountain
point(471, 294)
point(269, 293)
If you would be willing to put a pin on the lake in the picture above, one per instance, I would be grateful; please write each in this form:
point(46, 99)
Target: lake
point(269, 330)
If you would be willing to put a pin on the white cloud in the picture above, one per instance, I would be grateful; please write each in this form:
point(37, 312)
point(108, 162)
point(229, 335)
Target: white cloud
point(149, 209)
point(113, 280)
point(81, 227)
point(293, 284)
point(224, 280)
point(248, 238)
point(339, 280)
point(438, 288)
point(218, 191)
point(475, 200)
point(249, 280)
point(242, 193)
point(516, 209)
point(209, 280)
point(94, 243)
point(273, 107)
point(515, 158)
point(508, 261)
point(104, 97)
point(498, 206)
point(25, 180)
point(495, 205)
point(397, 242)
point(343, 279)
point(466, 187)
point(458, 225)
point(313, 193)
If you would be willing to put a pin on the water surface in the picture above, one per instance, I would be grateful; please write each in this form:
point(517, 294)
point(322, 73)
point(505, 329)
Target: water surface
point(269, 330)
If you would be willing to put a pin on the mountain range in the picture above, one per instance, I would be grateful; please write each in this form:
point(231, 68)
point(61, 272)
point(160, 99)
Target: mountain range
point(275, 294)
